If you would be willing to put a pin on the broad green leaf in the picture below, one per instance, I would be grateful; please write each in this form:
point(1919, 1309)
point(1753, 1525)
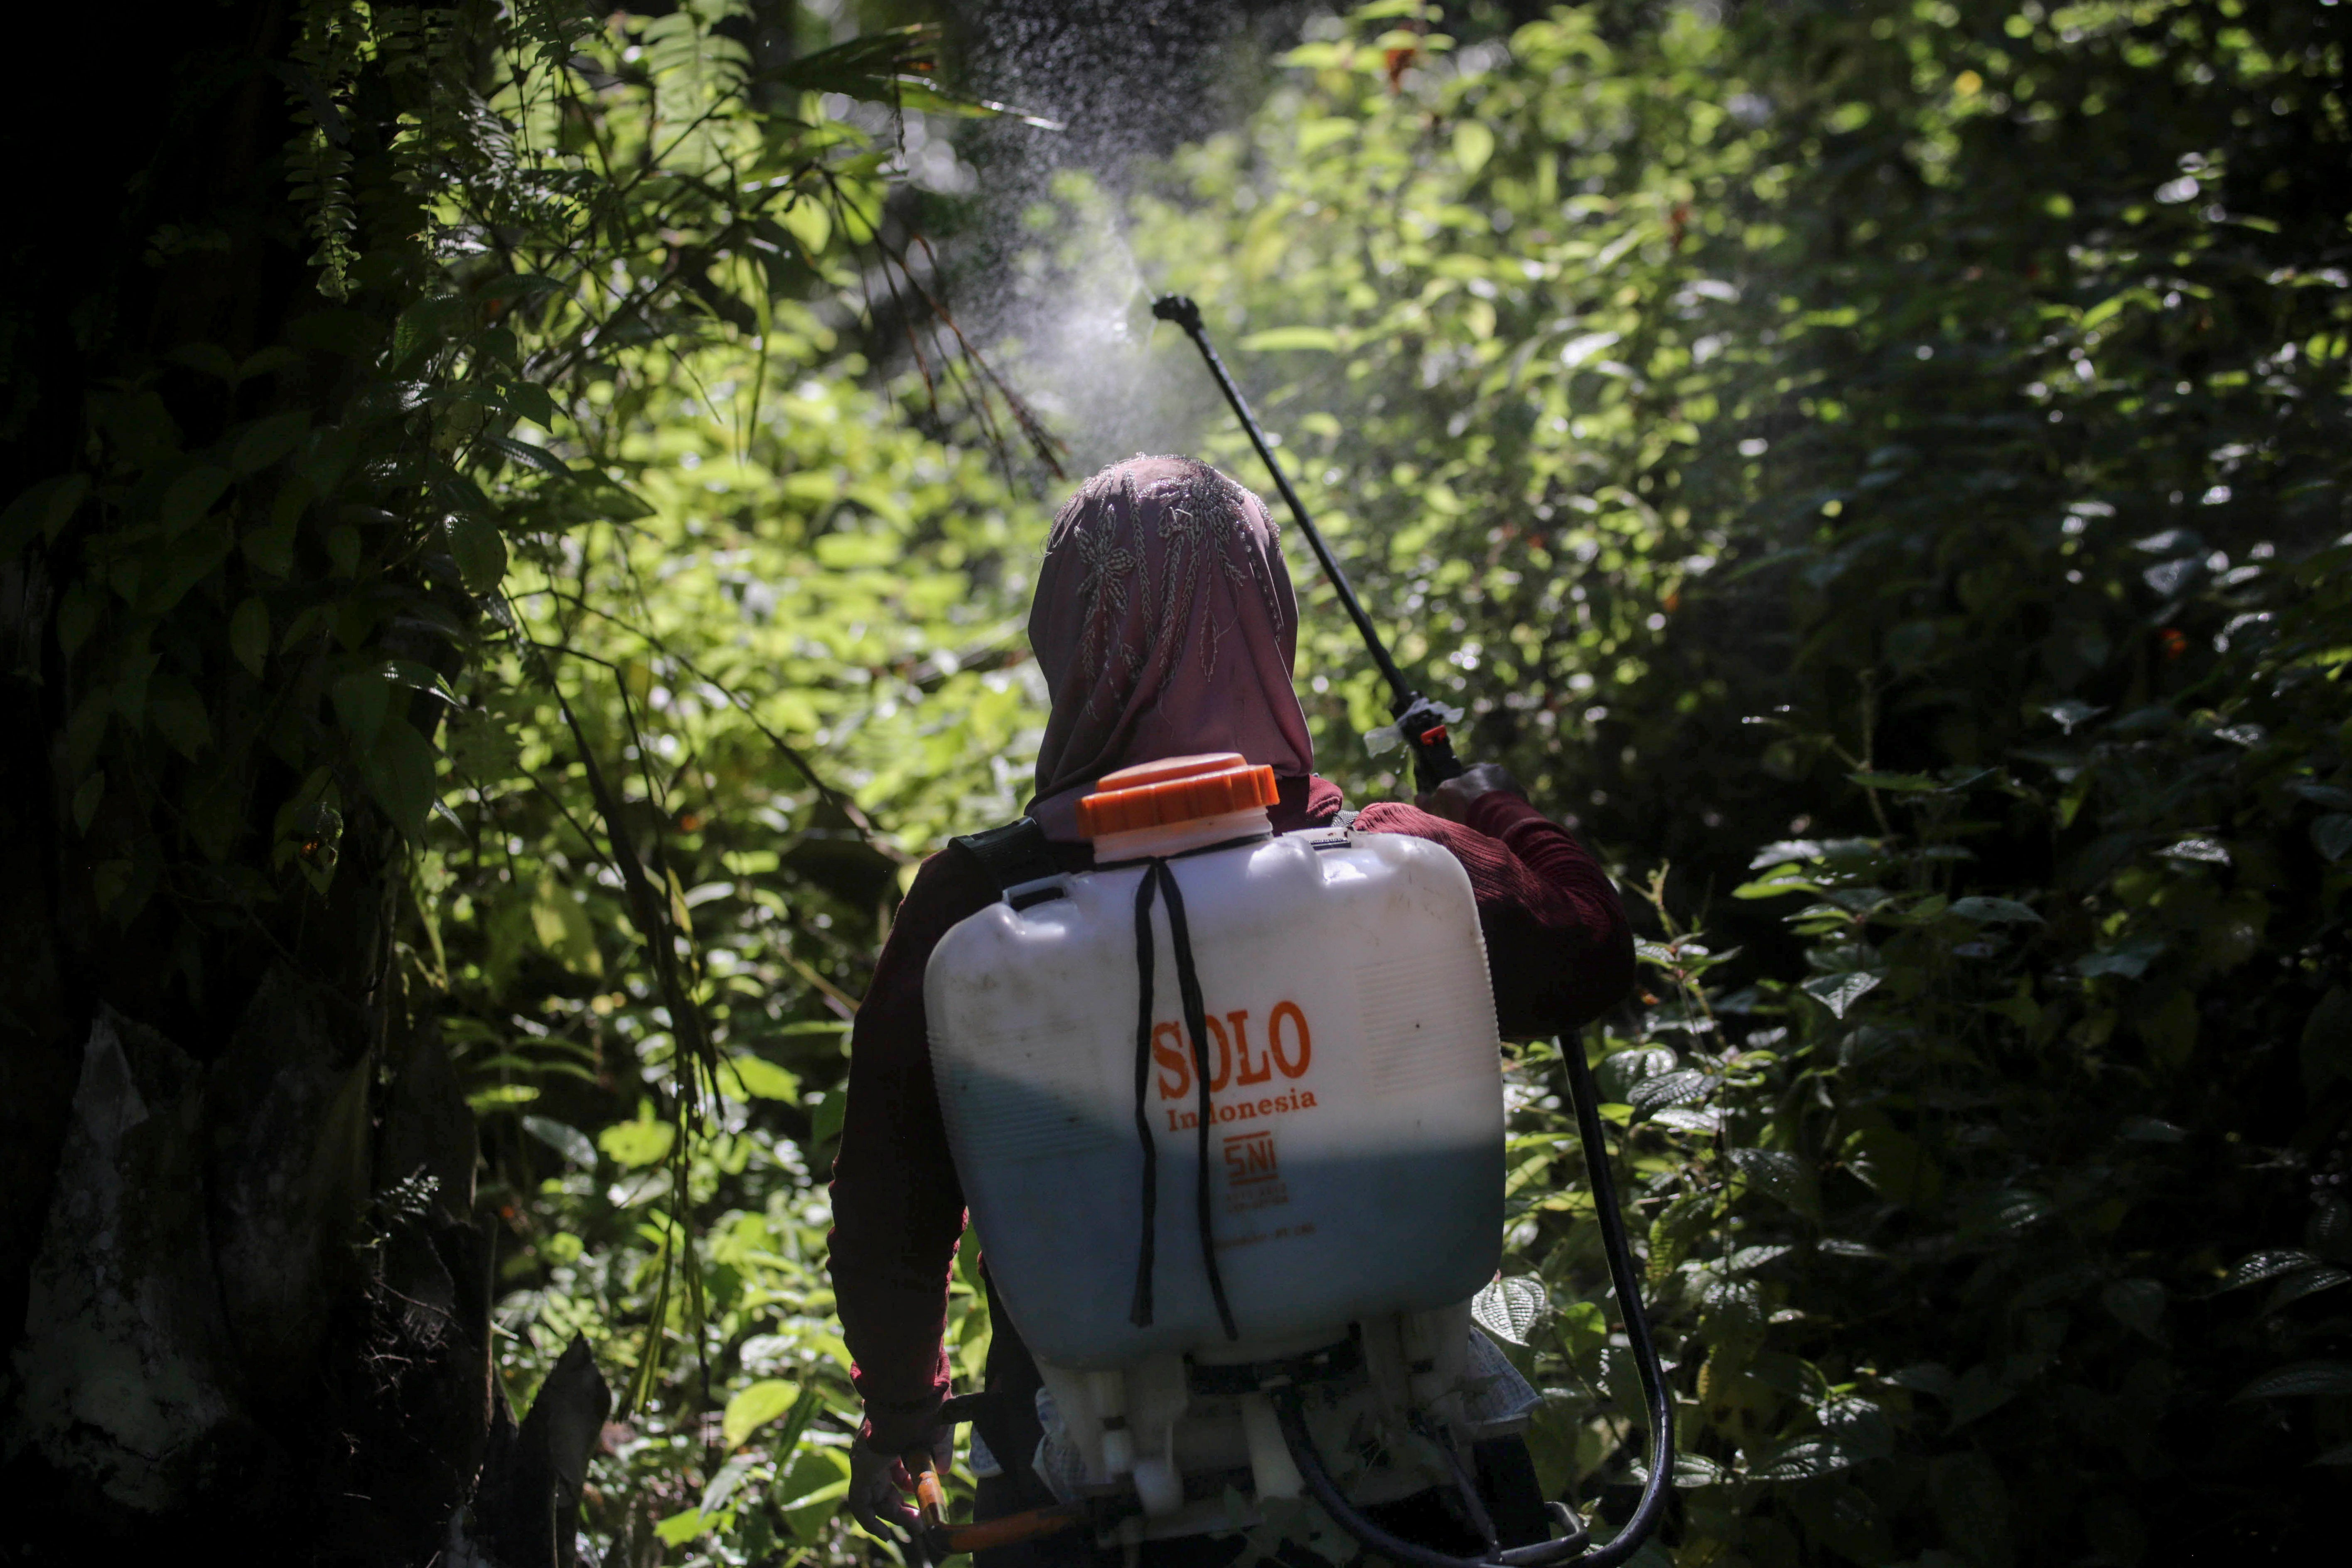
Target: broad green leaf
point(1778, 884)
point(2005, 1210)
point(1669, 1088)
point(2255, 1267)
point(1805, 1460)
point(2129, 959)
point(207, 359)
point(563, 928)
point(86, 800)
point(481, 552)
point(807, 221)
point(811, 1493)
point(723, 1485)
point(531, 457)
point(762, 1079)
point(1585, 346)
point(397, 766)
point(362, 699)
point(2310, 1282)
point(2138, 1304)
point(1840, 992)
point(2204, 850)
point(1891, 1165)
point(2332, 836)
point(1474, 143)
point(2327, 795)
point(1977, 1393)
point(1679, 1228)
point(1276, 338)
point(41, 513)
point(2298, 1379)
point(1929, 1377)
point(248, 634)
point(1510, 1308)
point(681, 1528)
point(179, 715)
point(1782, 1175)
point(754, 1407)
point(531, 401)
point(634, 1145)
point(267, 440)
point(1693, 1471)
point(564, 1139)
point(1971, 1503)
point(825, 1117)
point(2150, 1130)
point(190, 497)
point(515, 287)
point(1986, 910)
point(77, 618)
point(1314, 135)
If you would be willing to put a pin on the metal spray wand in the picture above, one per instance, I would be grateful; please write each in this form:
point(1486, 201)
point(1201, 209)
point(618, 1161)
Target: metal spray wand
point(1420, 720)
point(1423, 724)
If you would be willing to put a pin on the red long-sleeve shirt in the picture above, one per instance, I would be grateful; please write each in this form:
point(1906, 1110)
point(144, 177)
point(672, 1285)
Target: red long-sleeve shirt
point(1557, 946)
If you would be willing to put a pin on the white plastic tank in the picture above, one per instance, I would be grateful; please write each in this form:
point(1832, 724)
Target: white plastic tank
point(1356, 1149)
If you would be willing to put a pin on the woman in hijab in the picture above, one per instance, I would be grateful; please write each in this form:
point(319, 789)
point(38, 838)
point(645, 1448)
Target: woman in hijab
point(1165, 626)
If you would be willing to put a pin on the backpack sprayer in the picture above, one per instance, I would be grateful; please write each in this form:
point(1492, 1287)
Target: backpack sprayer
point(1343, 1154)
point(1422, 726)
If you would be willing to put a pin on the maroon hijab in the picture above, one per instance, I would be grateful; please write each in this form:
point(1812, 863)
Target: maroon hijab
point(1164, 624)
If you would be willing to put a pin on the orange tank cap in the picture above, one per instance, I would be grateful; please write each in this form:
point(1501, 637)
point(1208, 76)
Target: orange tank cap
point(1173, 790)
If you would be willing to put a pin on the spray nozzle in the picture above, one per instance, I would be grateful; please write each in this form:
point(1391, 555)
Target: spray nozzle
point(1179, 308)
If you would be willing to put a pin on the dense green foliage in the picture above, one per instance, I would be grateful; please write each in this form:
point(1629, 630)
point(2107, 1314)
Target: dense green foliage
point(451, 633)
point(1884, 463)
point(1880, 467)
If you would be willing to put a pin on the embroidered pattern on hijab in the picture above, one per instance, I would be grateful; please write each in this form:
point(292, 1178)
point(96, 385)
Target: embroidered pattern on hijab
point(1156, 568)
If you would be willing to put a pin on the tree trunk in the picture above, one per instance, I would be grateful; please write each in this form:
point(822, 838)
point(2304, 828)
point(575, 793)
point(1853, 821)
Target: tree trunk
point(244, 1294)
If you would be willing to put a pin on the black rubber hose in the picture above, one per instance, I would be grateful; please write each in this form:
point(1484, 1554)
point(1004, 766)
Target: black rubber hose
point(1628, 1284)
point(1289, 1412)
point(1289, 1408)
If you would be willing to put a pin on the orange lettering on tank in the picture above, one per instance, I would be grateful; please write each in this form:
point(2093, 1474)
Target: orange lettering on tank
point(1288, 1051)
point(1173, 1057)
point(1251, 1072)
point(1306, 1059)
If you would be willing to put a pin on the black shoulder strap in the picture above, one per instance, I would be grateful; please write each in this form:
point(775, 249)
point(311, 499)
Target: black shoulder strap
point(1015, 856)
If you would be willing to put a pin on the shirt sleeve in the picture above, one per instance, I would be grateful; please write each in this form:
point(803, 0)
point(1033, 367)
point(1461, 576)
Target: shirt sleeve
point(1558, 946)
point(897, 1208)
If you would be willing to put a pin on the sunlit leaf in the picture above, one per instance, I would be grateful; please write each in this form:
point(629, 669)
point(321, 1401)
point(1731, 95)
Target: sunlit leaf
point(1669, 1088)
point(763, 1079)
point(1802, 1460)
point(1510, 1308)
point(2255, 1267)
point(564, 1139)
point(634, 1145)
point(1840, 992)
point(755, 1406)
point(1781, 1175)
point(1474, 143)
